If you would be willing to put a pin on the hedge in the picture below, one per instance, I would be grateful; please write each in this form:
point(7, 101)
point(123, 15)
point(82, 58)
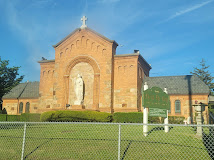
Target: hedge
point(30, 117)
point(133, 117)
point(13, 118)
point(76, 116)
point(3, 117)
point(128, 117)
point(176, 120)
point(25, 117)
point(137, 117)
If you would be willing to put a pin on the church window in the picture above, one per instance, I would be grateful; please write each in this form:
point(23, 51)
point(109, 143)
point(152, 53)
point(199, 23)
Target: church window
point(61, 54)
point(78, 43)
point(119, 68)
point(177, 106)
point(66, 51)
point(88, 43)
point(92, 46)
point(72, 47)
point(27, 107)
point(104, 52)
point(140, 72)
point(125, 69)
point(20, 107)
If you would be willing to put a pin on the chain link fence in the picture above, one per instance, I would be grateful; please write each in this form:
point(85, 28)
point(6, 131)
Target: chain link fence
point(56, 141)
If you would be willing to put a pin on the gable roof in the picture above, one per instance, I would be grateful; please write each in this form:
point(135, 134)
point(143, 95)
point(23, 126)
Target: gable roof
point(23, 90)
point(79, 29)
point(185, 85)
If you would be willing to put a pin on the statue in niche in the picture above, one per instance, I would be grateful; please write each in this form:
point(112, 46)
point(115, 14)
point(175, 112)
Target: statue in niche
point(79, 89)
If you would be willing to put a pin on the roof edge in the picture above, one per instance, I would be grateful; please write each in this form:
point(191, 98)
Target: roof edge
point(145, 61)
point(46, 61)
point(79, 29)
point(127, 55)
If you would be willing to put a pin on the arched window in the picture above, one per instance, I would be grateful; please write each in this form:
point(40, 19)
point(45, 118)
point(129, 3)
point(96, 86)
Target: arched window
point(27, 107)
point(177, 106)
point(20, 107)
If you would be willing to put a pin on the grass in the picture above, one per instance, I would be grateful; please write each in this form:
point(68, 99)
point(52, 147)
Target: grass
point(99, 141)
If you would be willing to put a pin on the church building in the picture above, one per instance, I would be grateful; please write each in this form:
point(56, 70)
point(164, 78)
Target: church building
point(87, 74)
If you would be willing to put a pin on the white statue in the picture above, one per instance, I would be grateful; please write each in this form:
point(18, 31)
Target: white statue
point(78, 87)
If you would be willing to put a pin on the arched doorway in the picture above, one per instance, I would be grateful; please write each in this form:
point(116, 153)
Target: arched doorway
point(88, 68)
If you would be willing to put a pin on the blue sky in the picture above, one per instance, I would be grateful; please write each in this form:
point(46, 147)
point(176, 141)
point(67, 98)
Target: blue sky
point(172, 35)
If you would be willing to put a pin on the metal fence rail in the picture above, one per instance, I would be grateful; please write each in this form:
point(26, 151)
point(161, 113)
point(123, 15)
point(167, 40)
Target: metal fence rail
point(74, 140)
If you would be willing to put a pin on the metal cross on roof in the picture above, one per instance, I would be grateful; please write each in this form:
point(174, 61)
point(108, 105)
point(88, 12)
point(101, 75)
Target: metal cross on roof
point(83, 19)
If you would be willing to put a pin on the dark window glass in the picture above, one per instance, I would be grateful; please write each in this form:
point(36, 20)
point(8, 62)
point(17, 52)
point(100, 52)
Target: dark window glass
point(177, 106)
point(27, 107)
point(20, 107)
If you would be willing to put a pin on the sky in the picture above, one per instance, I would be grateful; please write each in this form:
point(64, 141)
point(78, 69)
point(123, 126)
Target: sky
point(172, 35)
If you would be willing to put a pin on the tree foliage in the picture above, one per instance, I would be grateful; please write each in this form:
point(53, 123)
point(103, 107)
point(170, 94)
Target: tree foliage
point(8, 77)
point(204, 74)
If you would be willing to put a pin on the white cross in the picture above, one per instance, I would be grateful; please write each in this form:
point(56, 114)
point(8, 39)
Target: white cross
point(83, 19)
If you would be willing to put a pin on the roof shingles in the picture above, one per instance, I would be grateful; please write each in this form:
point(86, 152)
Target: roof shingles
point(24, 90)
point(188, 84)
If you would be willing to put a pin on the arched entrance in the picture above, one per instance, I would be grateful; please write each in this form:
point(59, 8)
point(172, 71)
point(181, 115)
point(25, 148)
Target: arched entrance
point(88, 68)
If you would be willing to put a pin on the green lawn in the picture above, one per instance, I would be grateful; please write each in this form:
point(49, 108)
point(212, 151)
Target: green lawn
point(99, 141)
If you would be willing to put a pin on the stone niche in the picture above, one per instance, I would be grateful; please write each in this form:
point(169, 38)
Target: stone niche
point(87, 73)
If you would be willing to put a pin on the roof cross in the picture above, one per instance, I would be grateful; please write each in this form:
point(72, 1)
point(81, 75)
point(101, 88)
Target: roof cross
point(83, 19)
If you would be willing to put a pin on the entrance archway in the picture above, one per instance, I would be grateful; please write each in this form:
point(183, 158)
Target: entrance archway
point(96, 80)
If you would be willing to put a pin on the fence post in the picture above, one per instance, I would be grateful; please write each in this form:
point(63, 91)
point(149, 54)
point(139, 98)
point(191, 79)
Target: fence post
point(119, 143)
point(145, 114)
point(166, 121)
point(23, 142)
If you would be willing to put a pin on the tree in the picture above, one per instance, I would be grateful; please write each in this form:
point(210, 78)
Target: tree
point(204, 75)
point(8, 78)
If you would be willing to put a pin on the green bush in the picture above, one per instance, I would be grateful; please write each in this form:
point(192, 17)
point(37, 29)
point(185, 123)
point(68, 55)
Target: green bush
point(134, 117)
point(76, 116)
point(137, 117)
point(30, 117)
point(156, 120)
point(13, 118)
point(3, 117)
point(128, 117)
point(47, 116)
point(211, 108)
point(176, 120)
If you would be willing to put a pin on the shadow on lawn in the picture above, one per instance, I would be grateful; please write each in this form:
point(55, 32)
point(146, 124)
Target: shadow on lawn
point(158, 129)
point(208, 141)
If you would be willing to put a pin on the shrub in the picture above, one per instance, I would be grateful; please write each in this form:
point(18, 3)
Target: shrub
point(3, 117)
point(156, 120)
point(76, 116)
point(176, 120)
point(30, 117)
point(13, 118)
point(137, 117)
point(134, 117)
point(128, 117)
point(47, 116)
point(211, 108)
